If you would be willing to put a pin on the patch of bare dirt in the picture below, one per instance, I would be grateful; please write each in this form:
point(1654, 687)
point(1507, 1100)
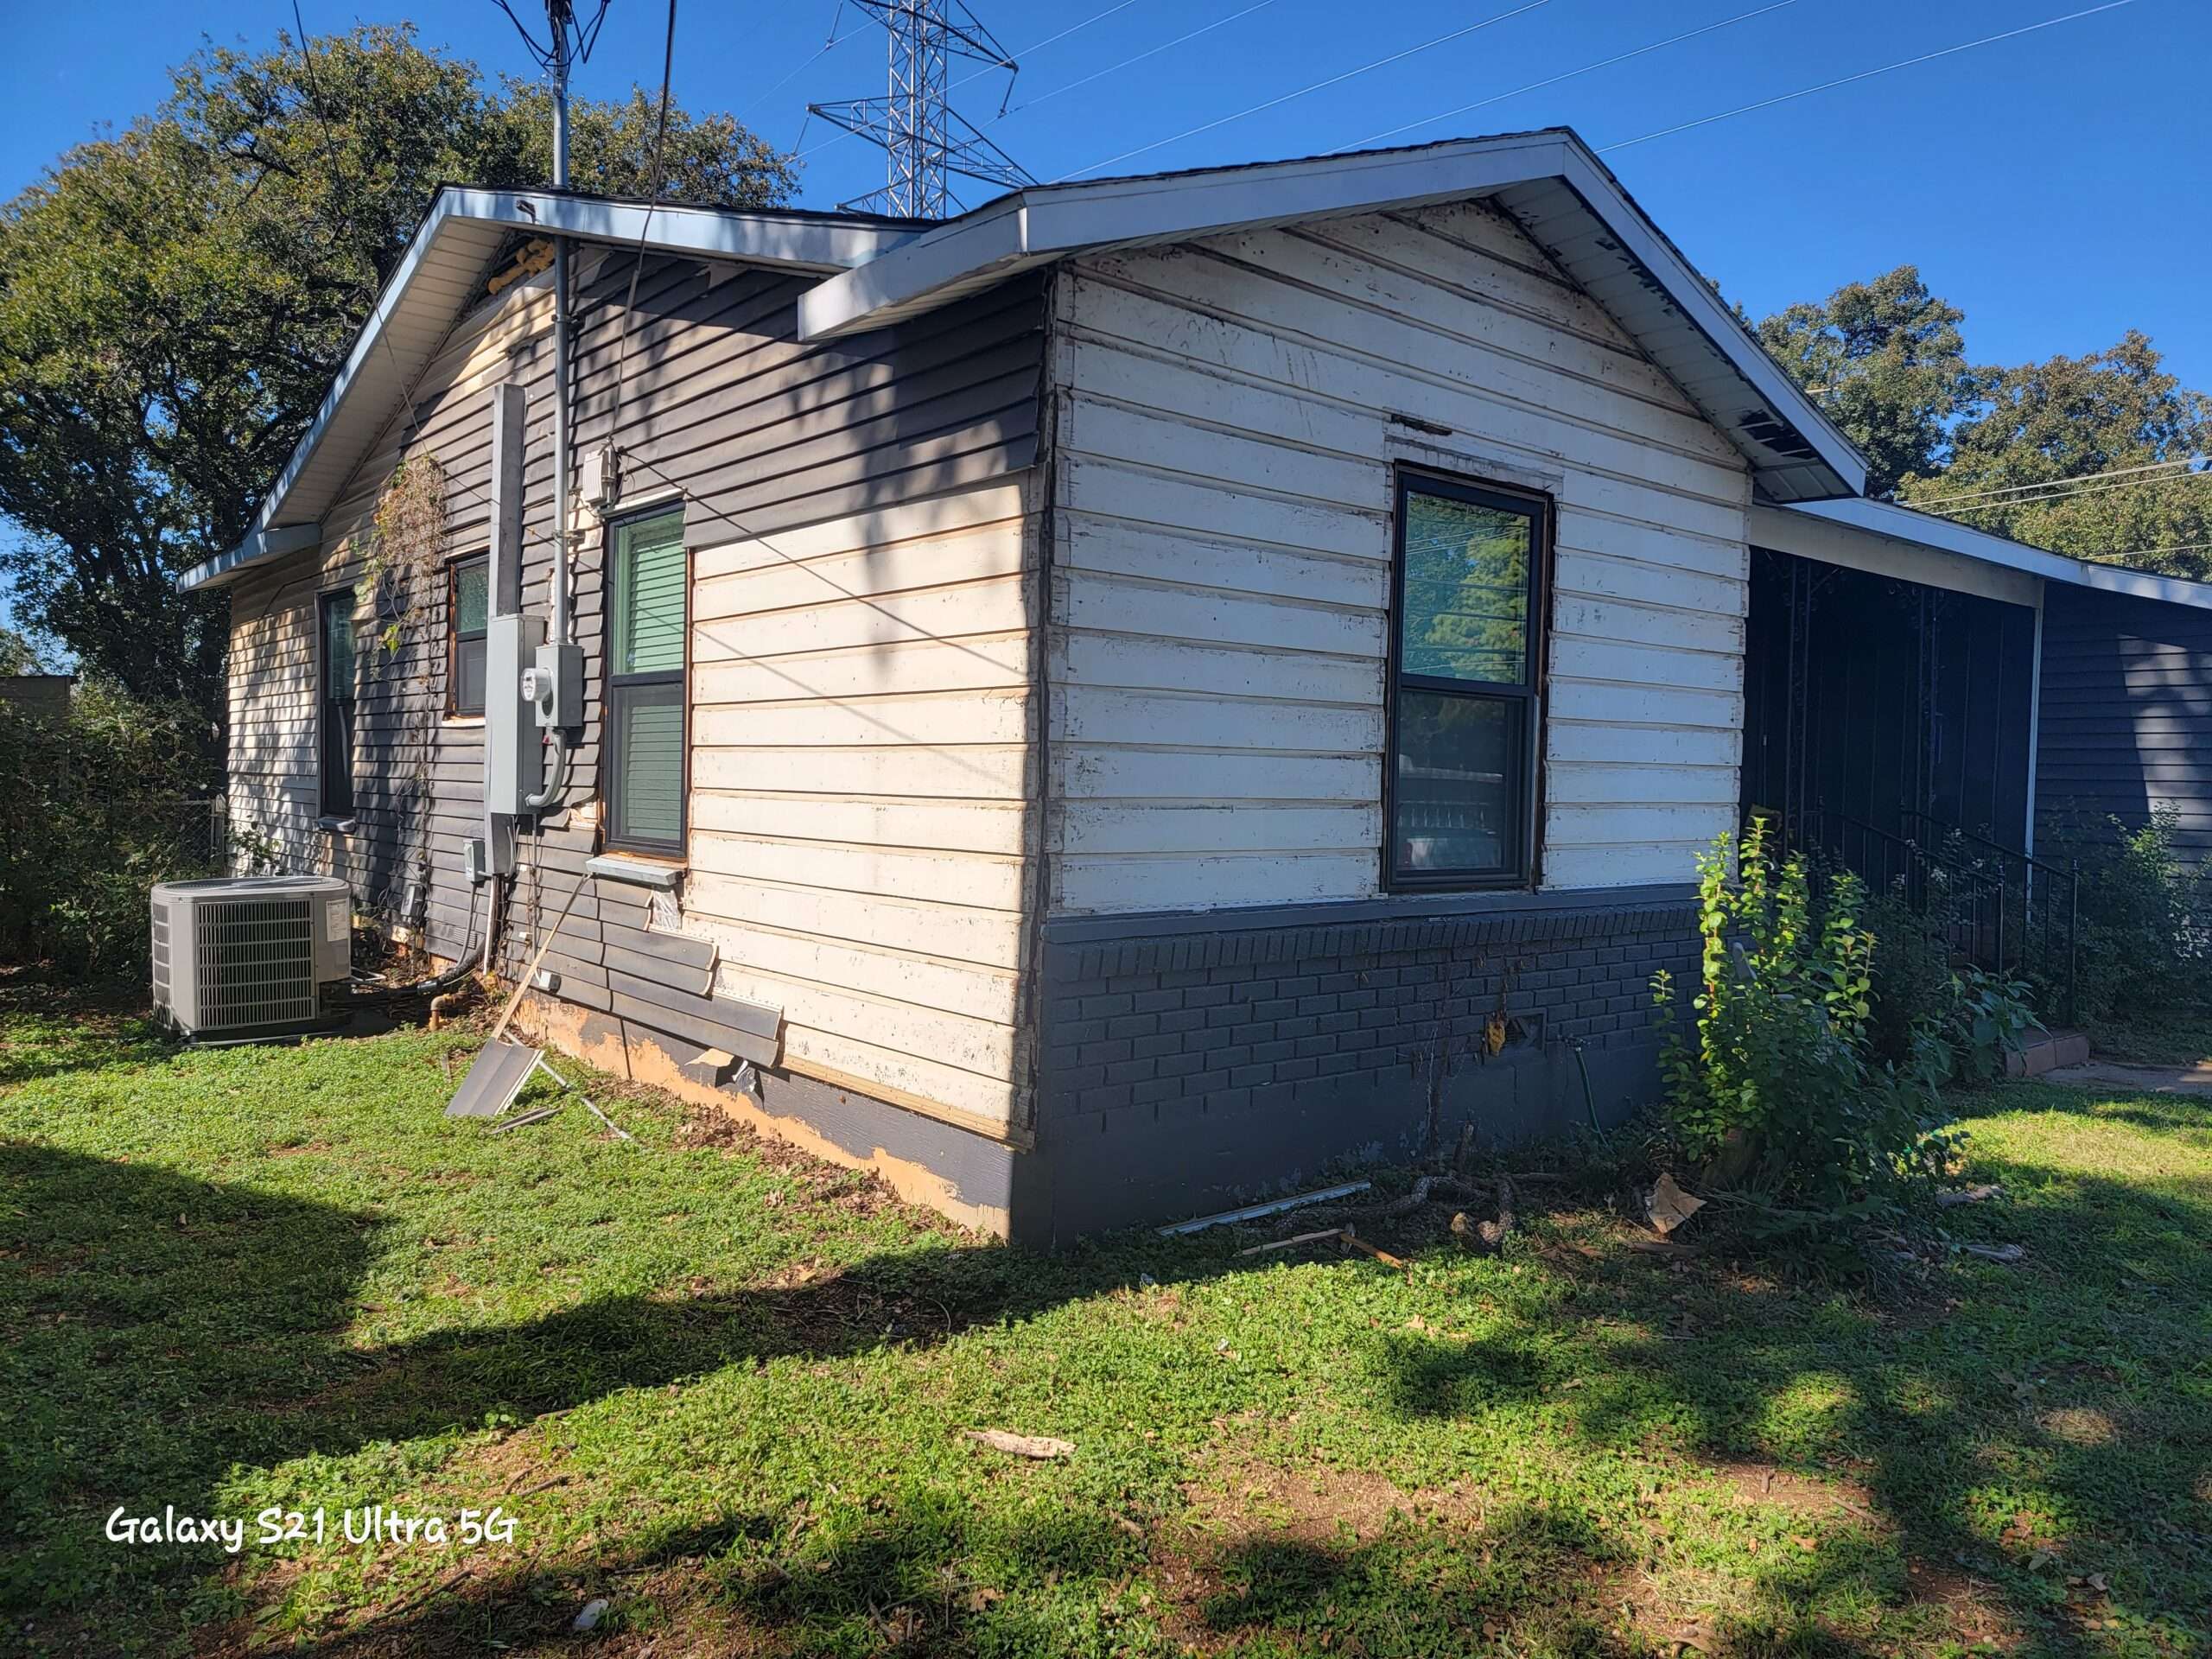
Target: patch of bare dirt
point(1759, 1483)
point(1969, 1606)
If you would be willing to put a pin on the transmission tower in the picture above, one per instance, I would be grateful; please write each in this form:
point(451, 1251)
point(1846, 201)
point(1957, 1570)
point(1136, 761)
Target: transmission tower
point(925, 139)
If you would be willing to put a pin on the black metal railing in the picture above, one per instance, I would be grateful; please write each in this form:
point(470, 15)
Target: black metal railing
point(2004, 911)
point(2041, 902)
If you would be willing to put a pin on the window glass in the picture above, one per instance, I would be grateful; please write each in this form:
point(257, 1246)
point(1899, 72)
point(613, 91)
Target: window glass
point(1457, 786)
point(649, 596)
point(650, 799)
point(1460, 781)
point(1466, 590)
point(472, 607)
point(645, 686)
point(337, 647)
point(471, 596)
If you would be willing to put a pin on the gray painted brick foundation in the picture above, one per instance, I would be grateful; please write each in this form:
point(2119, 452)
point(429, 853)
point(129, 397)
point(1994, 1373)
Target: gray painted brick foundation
point(1193, 1062)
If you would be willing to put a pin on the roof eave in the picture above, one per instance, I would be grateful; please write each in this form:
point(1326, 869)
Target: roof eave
point(1799, 452)
point(808, 243)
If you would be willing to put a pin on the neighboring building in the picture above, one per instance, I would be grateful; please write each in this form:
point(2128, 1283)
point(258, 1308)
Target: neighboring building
point(1115, 702)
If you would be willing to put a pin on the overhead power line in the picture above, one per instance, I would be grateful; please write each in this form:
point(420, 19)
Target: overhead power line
point(653, 198)
point(828, 45)
point(1332, 81)
point(1374, 138)
point(2077, 477)
point(2071, 494)
point(1864, 74)
point(1137, 58)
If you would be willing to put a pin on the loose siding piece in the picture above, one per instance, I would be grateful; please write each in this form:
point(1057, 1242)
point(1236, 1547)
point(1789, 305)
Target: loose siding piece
point(1222, 546)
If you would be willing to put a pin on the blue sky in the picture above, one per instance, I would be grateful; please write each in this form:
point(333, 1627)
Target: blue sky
point(2053, 185)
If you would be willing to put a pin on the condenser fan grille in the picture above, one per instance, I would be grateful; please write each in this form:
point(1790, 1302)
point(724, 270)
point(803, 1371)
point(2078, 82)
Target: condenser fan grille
point(255, 959)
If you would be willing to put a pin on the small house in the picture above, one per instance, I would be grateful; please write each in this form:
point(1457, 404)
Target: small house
point(1113, 705)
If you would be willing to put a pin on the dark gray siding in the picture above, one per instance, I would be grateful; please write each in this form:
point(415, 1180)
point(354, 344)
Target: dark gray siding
point(714, 394)
point(2126, 719)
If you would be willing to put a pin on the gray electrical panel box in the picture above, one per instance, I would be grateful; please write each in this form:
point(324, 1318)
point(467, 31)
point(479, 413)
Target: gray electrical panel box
point(514, 760)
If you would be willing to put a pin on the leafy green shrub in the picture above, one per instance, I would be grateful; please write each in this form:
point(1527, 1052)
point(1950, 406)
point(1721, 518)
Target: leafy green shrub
point(99, 806)
point(1932, 1019)
point(1986, 1017)
point(2143, 914)
point(1774, 1087)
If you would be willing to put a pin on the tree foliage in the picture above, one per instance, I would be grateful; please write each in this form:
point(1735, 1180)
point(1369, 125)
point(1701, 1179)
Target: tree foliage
point(1887, 360)
point(1888, 364)
point(2072, 417)
point(174, 299)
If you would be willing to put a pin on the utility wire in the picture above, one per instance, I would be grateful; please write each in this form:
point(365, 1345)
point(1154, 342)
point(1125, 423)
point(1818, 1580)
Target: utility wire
point(2077, 477)
point(830, 43)
point(653, 198)
point(1864, 74)
point(1332, 81)
point(1152, 52)
point(2074, 494)
point(1373, 139)
point(1095, 17)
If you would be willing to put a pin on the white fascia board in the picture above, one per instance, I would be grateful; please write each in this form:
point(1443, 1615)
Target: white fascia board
point(2141, 584)
point(1886, 519)
point(1203, 204)
point(1034, 225)
point(261, 545)
point(1889, 521)
point(1701, 307)
point(1811, 533)
point(796, 241)
point(993, 238)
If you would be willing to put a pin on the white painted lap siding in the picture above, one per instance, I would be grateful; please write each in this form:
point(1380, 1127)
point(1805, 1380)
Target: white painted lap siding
point(1223, 546)
point(864, 795)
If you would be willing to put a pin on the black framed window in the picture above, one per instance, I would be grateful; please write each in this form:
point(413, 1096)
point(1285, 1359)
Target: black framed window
point(1461, 786)
point(469, 610)
point(335, 725)
point(646, 631)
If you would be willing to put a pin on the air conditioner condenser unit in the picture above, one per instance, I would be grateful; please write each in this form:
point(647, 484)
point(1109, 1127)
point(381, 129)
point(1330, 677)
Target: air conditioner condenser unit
point(249, 955)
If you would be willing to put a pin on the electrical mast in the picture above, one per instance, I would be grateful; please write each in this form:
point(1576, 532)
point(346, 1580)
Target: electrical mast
point(569, 41)
point(925, 139)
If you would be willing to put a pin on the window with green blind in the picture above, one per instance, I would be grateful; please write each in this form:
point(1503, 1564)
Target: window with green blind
point(648, 580)
point(468, 614)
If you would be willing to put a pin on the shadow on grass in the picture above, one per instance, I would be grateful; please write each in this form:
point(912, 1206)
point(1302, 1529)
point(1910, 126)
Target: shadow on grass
point(168, 1330)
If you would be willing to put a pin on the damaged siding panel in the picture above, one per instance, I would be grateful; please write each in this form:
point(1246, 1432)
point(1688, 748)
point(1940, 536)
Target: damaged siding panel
point(864, 792)
point(1222, 560)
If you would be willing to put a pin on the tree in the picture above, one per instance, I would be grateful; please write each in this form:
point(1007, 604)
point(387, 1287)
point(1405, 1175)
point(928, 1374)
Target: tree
point(174, 301)
point(2053, 422)
point(1886, 361)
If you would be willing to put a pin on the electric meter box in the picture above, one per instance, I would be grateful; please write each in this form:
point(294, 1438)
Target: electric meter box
point(514, 759)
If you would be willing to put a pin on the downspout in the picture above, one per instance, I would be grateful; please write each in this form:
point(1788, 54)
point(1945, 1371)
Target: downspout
point(538, 800)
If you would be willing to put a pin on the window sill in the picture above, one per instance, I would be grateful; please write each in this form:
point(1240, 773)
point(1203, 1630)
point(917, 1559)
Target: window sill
point(338, 826)
point(461, 720)
point(661, 874)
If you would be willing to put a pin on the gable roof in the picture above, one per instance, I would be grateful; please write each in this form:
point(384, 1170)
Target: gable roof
point(443, 273)
point(1551, 183)
point(878, 270)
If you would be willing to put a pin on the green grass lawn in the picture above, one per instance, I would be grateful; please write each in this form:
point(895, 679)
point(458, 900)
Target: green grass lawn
point(724, 1388)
